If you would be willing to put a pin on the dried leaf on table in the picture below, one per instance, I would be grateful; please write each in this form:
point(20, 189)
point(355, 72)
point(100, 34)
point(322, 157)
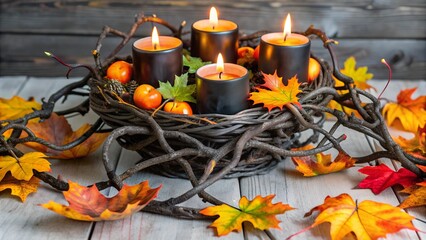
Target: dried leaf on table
point(57, 130)
point(367, 219)
point(278, 94)
point(260, 212)
point(22, 168)
point(408, 113)
point(320, 163)
point(381, 177)
point(19, 188)
point(16, 107)
point(417, 196)
point(88, 204)
point(415, 146)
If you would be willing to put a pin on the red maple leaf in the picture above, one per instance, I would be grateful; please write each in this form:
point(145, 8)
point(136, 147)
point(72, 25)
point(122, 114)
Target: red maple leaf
point(381, 177)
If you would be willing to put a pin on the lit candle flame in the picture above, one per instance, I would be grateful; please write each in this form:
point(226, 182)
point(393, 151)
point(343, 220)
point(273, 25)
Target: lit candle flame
point(155, 39)
point(287, 27)
point(219, 64)
point(213, 17)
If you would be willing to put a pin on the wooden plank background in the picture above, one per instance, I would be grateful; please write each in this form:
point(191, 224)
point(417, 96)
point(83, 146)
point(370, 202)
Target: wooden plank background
point(368, 30)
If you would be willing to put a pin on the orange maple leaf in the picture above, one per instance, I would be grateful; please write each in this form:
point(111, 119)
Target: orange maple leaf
point(19, 188)
point(406, 112)
point(278, 94)
point(22, 168)
point(16, 107)
point(416, 145)
point(367, 220)
point(260, 212)
point(88, 204)
point(319, 164)
point(417, 196)
point(57, 130)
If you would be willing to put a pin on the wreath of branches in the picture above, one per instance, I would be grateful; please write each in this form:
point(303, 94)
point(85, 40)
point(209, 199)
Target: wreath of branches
point(371, 123)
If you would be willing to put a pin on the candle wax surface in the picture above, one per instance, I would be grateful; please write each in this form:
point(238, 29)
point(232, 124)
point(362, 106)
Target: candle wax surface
point(222, 26)
point(291, 40)
point(166, 43)
point(224, 76)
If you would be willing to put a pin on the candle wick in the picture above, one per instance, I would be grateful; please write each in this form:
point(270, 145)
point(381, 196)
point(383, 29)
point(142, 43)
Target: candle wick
point(220, 75)
point(155, 46)
point(213, 27)
point(285, 37)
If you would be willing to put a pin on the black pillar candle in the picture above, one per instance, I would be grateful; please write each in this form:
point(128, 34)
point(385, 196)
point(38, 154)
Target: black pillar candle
point(288, 57)
point(161, 62)
point(227, 94)
point(209, 37)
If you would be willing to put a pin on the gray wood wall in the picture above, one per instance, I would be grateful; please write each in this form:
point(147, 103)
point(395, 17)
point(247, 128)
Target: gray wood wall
point(367, 29)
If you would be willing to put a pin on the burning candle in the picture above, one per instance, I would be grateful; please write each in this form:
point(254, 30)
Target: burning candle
point(157, 58)
point(222, 88)
point(212, 36)
point(285, 52)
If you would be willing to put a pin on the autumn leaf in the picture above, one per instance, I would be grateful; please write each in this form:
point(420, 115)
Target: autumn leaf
point(193, 63)
point(16, 107)
point(278, 94)
point(180, 91)
point(19, 188)
point(88, 204)
point(417, 196)
point(406, 112)
point(416, 145)
point(260, 212)
point(321, 164)
point(367, 219)
point(381, 177)
point(22, 168)
point(57, 130)
point(360, 75)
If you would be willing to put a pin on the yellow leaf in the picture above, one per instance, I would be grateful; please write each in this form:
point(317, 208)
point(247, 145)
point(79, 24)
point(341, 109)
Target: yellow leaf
point(20, 188)
point(417, 196)
point(279, 94)
point(410, 113)
point(22, 169)
point(359, 75)
point(321, 164)
point(16, 107)
point(416, 145)
point(367, 220)
point(260, 212)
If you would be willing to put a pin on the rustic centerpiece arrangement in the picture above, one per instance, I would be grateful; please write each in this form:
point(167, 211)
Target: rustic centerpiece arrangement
point(228, 129)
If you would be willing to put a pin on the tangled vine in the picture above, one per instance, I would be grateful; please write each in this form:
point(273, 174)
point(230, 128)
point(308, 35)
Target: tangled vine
point(250, 142)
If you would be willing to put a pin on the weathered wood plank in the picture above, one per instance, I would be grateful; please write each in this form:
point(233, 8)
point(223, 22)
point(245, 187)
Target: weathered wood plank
point(20, 57)
point(152, 226)
point(390, 19)
point(10, 86)
point(305, 193)
point(28, 221)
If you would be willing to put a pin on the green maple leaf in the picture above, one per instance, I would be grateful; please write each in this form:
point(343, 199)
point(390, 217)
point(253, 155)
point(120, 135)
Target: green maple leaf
point(193, 63)
point(180, 91)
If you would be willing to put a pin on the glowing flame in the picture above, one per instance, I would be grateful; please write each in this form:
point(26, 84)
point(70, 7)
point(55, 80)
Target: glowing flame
point(213, 17)
point(287, 26)
point(219, 64)
point(155, 38)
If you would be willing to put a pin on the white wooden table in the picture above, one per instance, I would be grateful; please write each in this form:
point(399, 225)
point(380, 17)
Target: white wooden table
point(29, 221)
